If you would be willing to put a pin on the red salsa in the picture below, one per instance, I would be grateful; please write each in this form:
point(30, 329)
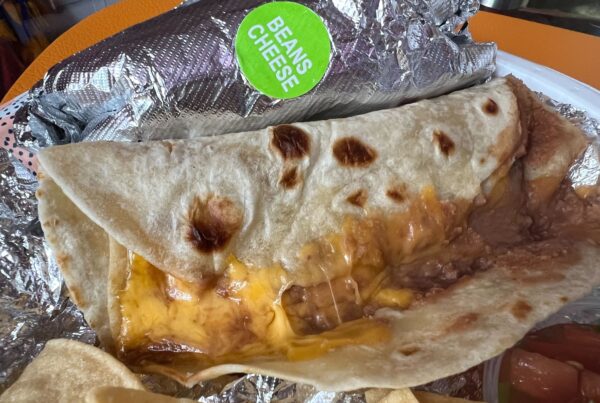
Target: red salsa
point(557, 364)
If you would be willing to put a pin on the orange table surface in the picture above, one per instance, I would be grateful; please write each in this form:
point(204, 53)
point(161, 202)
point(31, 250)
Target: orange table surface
point(91, 30)
point(572, 53)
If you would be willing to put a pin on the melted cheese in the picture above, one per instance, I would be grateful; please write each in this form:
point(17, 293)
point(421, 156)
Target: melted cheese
point(394, 298)
point(237, 319)
point(242, 316)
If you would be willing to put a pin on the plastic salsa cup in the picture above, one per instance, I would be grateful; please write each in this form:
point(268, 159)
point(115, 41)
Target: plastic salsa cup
point(558, 361)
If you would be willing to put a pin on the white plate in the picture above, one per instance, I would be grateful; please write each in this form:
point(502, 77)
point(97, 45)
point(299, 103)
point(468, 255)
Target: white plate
point(557, 86)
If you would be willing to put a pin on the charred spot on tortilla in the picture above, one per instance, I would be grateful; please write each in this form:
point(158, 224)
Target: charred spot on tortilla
point(564, 299)
point(52, 222)
point(482, 160)
point(168, 145)
point(212, 223)
point(77, 296)
point(62, 259)
point(408, 350)
point(290, 141)
point(358, 198)
point(290, 178)
point(490, 107)
point(521, 309)
point(397, 194)
point(463, 322)
point(444, 142)
point(351, 152)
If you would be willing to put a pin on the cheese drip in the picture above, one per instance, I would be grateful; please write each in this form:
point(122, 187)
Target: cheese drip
point(238, 318)
point(254, 312)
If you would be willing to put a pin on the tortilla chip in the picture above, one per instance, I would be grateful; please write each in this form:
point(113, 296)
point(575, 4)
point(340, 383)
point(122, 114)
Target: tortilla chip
point(65, 371)
point(408, 396)
point(112, 394)
point(427, 397)
point(390, 396)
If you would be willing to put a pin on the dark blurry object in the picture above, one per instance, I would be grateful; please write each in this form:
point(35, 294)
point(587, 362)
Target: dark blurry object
point(504, 4)
point(20, 15)
point(559, 363)
point(577, 15)
point(28, 26)
point(11, 65)
point(59, 15)
point(20, 40)
point(582, 8)
point(466, 385)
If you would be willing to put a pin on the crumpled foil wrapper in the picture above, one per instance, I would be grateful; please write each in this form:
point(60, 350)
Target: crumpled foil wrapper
point(176, 76)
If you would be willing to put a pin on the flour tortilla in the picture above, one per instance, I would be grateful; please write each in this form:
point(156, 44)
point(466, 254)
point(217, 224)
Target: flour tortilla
point(425, 343)
point(139, 195)
point(80, 248)
point(65, 371)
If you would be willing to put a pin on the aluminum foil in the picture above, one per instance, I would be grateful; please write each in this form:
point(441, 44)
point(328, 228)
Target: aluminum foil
point(176, 76)
point(249, 388)
point(170, 76)
point(33, 305)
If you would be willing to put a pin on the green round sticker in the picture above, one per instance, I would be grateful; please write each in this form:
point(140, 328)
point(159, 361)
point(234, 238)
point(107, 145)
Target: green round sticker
point(283, 49)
